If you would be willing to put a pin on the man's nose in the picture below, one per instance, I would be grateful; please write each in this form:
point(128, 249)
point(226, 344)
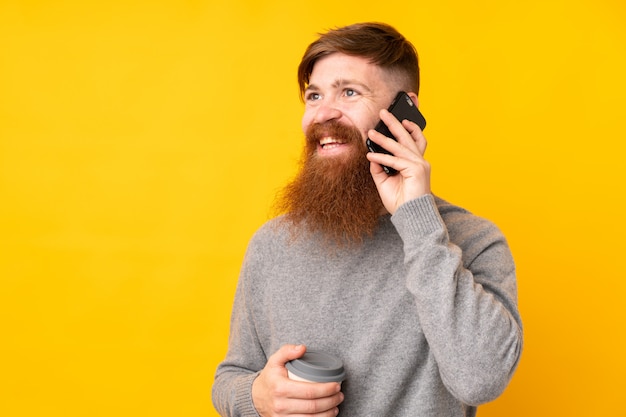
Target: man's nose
point(327, 112)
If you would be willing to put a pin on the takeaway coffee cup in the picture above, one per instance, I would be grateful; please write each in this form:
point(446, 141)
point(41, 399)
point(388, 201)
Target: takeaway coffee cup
point(316, 366)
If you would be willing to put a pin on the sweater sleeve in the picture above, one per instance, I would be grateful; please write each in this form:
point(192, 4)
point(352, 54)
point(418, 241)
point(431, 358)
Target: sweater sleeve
point(466, 297)
point(232, 387)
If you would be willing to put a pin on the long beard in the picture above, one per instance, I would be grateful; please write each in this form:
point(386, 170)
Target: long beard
point(334, 196)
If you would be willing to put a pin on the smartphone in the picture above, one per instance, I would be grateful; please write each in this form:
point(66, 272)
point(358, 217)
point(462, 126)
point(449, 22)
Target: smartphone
point(403, 108)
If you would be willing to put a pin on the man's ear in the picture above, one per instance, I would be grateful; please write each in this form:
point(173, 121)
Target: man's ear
point(414, 98)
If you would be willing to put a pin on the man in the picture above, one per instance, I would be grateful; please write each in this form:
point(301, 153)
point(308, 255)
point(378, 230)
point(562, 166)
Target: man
point(416, 296)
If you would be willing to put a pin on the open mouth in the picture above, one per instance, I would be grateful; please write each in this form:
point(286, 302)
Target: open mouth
point(331, 143)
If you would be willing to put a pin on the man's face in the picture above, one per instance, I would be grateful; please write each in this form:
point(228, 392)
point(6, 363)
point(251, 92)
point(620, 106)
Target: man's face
point(348, 90)
point(334, 193)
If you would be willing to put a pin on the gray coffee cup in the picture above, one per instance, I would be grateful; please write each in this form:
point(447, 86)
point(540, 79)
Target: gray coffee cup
point(316, 366)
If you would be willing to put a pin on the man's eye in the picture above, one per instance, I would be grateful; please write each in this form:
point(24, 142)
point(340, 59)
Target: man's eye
point(313, 96)
point(351, 93)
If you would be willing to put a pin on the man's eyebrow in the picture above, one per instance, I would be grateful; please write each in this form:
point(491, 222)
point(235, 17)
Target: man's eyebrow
point(311, 87)
point(341, 83)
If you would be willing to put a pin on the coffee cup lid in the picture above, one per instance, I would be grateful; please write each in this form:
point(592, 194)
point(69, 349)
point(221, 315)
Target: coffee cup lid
point(318, 367)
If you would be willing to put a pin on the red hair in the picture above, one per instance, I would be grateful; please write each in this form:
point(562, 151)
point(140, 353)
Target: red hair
point(380, 43)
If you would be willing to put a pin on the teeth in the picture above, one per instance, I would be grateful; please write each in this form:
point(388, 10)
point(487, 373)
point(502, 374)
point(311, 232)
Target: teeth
point(327, 141)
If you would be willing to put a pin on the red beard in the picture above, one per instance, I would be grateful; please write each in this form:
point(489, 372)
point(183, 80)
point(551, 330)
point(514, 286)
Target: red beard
point(333, 195)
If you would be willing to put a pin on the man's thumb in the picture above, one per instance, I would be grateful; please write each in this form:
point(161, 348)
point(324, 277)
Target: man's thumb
point(285, 354)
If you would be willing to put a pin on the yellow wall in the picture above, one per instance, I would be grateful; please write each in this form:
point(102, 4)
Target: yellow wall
point(141, 144)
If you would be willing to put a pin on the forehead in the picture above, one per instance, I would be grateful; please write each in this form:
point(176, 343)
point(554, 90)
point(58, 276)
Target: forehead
point(338, 67)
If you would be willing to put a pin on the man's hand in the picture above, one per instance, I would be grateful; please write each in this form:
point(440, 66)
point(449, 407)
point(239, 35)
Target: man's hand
point(274, 394)
point(413, 178)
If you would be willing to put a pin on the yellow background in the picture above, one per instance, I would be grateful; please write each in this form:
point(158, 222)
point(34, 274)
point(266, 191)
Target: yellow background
point(141, 144)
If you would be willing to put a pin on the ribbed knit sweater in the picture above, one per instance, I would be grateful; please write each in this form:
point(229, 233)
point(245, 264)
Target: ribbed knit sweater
point(423, 314)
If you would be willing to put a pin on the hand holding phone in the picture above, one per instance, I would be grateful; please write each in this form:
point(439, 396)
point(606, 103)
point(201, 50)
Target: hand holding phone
point(403, 108)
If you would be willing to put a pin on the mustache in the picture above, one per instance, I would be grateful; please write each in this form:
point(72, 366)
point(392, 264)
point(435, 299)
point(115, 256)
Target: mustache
point(317, 131)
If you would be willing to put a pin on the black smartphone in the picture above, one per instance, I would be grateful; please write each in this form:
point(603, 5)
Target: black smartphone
point(403, 108)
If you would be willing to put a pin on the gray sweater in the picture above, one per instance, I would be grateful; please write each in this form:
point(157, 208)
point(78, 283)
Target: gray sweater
point(424, 314)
